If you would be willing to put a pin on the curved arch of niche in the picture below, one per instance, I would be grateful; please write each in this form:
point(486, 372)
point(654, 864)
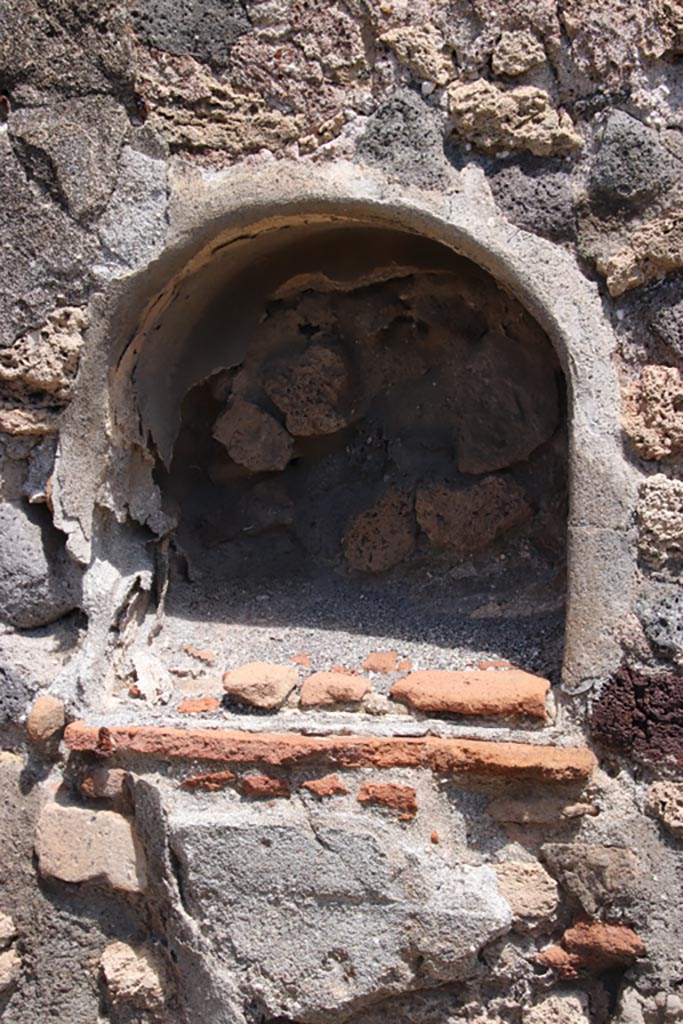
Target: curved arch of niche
point(233, 224)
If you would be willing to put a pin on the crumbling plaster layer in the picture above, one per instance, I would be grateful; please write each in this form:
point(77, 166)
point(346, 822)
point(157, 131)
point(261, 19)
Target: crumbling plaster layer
point(209, 213)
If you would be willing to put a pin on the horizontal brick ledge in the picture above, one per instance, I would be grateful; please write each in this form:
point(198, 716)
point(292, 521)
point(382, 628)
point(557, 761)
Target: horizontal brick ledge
point(443, 756)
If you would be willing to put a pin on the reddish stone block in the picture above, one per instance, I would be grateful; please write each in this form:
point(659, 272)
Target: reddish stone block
point(325, 689)
point(381, 662)
point(265, 787)
point(473, 693)
point(198, 705)
point(212, 781)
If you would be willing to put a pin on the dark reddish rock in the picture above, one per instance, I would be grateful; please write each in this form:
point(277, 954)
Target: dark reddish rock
point(325, 689)
point(328, 785)
point(383, 536)
point(641, 715)
point(395, 797)
point(594, 947)
point(467, 521)
point(198, 705)
point(211, 781)
point(382, 662)
point(473, 693)
point(252, 437)
point(265, 787)
point(311, 389)
point(478, 758)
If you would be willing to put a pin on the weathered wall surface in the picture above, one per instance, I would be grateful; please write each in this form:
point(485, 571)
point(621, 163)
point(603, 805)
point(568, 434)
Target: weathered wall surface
point(344, 836)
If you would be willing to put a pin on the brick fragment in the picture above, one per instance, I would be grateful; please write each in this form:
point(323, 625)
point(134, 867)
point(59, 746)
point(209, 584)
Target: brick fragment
point(473, 693)
point(198, 705)
point(104, 784)
point(211, 781)
point(401, 799)
point(302, 659)
point(479, 758)
point(325, 689)
point(202, 654)
point(594, 947)
point(265, 787)
point(328, 785)
point(382, 662)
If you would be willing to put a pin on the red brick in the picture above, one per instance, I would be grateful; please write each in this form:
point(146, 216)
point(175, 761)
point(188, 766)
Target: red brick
point(401, 799)
point(211, 781)
point(197, 705)
point(328, 785)
point(473, 693)
point(479, 758)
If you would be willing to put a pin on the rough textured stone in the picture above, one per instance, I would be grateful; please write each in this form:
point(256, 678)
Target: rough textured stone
point(592, 946)
point(312, 391)
point(663, 623)
point(10, 969)
point(536, 194)
point(530, 891)
point(653, 413)
point(442, 756)
point(198, 705)
point(594, 875)
point(559, 1008)
point(341, 886)
point(521, 118)
point(665, 800)
point(473, 693)
point(134, 977)
point(639, 715)
point(383, 536)
point(632, 166)
point(516, 53)
point(646, 248)
point(467, 521)
point(38, 582)
point(667, 325)
point(538, 810)
point(422, 49)
point(46, 719)
point(252, 437)
point(78, 845)
point(46, 254)
point(401, 799)
point(324, 689)
point(8, 931)
point(400, 127)
point(328, 785)
point(42, 364)
point(660, 522)
point(15, 692)
point(105, 784)
point(71, 148)
point(260, 684)
point(207, 29)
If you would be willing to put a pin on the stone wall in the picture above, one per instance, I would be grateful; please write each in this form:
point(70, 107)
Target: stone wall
point(341, 430)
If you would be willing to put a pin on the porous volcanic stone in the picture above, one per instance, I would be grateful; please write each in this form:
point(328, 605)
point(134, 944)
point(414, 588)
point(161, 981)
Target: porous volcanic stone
point(383, 536)
point(594, 874)
point(252, 437)
point(665, 800)
point(660, 521)
point(46, 719)
point(516, 53)
point(510, 692)
point(74, 844)
point(324, 689)
point(653, 413)
point(205, 29)
point(663, 623)
point(395, 797)
point(311, 389)
point(10, 969)
point(261, 684)
point(467, 521)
